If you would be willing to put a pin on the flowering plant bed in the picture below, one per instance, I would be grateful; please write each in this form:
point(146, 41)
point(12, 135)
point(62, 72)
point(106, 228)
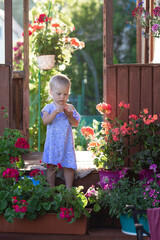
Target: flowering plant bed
point(130, 191)
point(148, 138)
point(111, 144)
point(12, 147)
point(108, 144)
point(21, 198)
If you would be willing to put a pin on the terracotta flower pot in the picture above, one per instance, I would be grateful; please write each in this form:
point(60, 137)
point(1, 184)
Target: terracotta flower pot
point(49, 223)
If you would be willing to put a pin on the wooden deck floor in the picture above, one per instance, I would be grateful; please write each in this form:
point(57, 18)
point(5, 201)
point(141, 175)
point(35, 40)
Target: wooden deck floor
point(84, 160)
point(93, 234)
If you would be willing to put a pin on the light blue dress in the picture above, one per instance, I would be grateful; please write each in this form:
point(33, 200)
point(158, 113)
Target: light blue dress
point(59, 144)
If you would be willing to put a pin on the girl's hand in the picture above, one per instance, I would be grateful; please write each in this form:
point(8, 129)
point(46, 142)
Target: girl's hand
point(59, 109)
point(68, 112)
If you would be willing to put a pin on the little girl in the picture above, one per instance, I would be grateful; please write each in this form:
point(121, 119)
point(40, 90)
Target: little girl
point(59, 118)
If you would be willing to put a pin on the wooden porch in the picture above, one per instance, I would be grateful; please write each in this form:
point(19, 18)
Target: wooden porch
point(135, 83)
point(93, 234)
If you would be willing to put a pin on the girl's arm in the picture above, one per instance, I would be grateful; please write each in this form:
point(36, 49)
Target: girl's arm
point(69, 114)
point(48, 117)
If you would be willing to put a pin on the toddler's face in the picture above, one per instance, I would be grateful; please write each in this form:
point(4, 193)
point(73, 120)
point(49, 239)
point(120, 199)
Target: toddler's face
point(60, 94)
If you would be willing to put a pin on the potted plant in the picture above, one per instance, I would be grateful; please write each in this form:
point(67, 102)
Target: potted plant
point(108, 144)
point(147, 139)
point(148, 22)
point(130, 191)
point(49, 35)
point(37, 208)
point(28, 204)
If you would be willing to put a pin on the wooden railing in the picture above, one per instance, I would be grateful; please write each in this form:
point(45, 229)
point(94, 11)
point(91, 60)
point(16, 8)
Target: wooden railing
point(14, 98)
point(138, 84)
point(14, 91)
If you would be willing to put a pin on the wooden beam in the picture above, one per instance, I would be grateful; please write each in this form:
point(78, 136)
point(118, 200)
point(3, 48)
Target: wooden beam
point(146, 51)
point(151, 39)
point(108, 28)
point(18, 74)
point(8, 31)
point(107, 41)
point(26, 69)
point(139, 39)
point(8, 53)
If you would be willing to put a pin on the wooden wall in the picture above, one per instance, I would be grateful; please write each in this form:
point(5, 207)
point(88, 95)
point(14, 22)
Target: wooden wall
point(137, 84)
point(5, 76)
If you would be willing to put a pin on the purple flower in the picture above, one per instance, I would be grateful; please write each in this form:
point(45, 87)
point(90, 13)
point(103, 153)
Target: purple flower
point(147, 189)
point(154, 167)
point(140, 4)
point(155, 28)
point(158, 175)
point(151, 193)
point(122, 173)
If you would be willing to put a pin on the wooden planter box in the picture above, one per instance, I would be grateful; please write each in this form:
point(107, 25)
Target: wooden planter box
point(48, 223)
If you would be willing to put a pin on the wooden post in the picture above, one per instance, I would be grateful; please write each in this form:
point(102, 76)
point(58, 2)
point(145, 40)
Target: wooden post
point(8, 54)
point(108, 31)
point(151, 39)
point(26, 69)
point(107, 40)
point(139, 39)
point(146, 50)
point(8, 31)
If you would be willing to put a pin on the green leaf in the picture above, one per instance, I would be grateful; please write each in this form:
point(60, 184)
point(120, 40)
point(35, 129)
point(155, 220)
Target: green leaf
point(3, 205)
point(154, 154)
point(47, 206)
point(31, 216)
point(9, 215)
point(96, 207)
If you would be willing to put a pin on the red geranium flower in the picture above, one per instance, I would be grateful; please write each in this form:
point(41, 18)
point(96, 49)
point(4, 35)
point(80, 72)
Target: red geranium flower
point(21, 143)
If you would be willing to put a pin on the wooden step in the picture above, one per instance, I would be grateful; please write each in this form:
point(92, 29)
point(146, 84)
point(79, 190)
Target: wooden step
point(86, 174)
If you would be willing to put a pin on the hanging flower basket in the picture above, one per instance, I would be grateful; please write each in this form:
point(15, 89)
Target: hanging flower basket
point(46, 62)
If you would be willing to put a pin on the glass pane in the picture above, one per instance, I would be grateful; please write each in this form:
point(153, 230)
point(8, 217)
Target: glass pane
point(2, 58)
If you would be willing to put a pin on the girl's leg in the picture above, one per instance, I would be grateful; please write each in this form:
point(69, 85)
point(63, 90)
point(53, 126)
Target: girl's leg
point(51, 175)
point(68, 177)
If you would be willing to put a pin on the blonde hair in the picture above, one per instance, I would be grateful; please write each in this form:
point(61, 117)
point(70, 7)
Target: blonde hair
point(59, 79)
